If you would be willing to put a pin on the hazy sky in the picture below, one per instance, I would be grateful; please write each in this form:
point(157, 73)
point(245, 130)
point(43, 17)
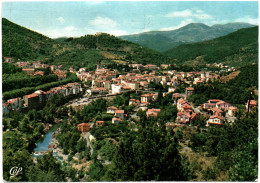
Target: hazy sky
point(57, 19)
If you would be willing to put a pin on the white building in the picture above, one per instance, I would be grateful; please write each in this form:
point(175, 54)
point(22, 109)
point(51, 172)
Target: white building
point(116, 88)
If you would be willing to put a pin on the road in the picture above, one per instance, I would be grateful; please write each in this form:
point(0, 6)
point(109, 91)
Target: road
point(88, 143)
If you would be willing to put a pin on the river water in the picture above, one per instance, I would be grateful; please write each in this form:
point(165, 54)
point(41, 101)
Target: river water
point(43, 143)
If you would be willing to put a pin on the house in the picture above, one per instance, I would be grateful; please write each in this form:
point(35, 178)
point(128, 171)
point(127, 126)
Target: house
point(180, 103)
point(187, 108)
point(32, 100)
point(116, 88)
point(42, 96)
point(116, 120)
point(216, 111)
point(15, 103)
point(150, 66)
point(8, 60)
point(186, 117)
point(40, 73)
point(208, 105)
point(53, 67)
point(231, 111)
point(134, 102)
point(111, 110)
point(214, 101)
point(183, 117)
point(83, 127)
point(215, 120)
point(223, 105)
point(251, 104)
point(120, 114)
point(99, 123)
point(165, 66)
point(188, 92)
point(133, 85)
point(28, 71)
point(146, 98)
point(144, 84)
point(170, 89)
point(152, 112)
point(176, 96)
point(99, 90)
point(6, 108)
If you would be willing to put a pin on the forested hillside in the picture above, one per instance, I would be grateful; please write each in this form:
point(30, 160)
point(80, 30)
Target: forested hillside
point(21, 43)
point(235, 91)
point(24, 44)
point(238, 48)
point(107, 48)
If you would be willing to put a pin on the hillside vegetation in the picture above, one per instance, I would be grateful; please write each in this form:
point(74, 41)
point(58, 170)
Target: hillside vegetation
point(24, 44)
point(194, 32)
point(234, 91)
point(21, 43)
point(237, 48)
point(109, 48)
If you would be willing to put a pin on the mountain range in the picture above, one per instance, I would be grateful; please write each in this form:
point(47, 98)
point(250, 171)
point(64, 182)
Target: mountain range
point(193, 32)
point(239, 47)
point(21, 43)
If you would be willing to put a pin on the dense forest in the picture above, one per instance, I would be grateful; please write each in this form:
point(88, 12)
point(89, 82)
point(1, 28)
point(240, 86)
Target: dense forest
point(21, 43)
point(237, 48)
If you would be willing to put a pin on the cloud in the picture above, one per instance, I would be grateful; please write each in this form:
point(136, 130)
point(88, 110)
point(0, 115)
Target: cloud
point(61, 19)
point(103, 22)
point(69, 28)
point(198, 14)
point(183, 23)
point(247, 19)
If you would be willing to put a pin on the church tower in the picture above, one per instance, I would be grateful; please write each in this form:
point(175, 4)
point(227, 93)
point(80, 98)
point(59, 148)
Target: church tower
point(98, 65)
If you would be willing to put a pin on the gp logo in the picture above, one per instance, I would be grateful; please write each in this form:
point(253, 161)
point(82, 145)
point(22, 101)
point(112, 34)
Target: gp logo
point(15, 171)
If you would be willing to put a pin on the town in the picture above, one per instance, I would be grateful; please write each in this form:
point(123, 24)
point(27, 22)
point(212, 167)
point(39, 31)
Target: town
point(104, 82)
point(129, 91)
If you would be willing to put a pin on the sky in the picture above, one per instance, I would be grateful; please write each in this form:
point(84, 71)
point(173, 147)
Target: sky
point(75, 19)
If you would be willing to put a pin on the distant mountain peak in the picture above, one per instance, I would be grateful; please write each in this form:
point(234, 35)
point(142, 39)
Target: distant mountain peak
point(190, 33)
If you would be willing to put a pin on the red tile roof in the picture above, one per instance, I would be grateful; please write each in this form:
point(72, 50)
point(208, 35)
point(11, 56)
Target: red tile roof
point(189, 88)
point(31, 95)
point(252, 102)
point(120, 111)
point(113, 119)
point(83, 124)
point(112, 107)
point(219, 117)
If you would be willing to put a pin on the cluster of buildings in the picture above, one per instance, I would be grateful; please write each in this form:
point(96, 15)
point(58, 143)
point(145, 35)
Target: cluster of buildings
point(107, 81)
point(31, 69)
point(217, 108)
point(186, 114)
point(39, 98)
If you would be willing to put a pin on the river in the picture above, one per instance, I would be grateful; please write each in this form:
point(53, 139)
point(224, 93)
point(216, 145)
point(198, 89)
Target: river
point(43, 143)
